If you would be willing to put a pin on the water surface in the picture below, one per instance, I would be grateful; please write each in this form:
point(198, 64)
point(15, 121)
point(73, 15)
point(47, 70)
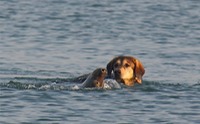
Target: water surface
point(45, 43)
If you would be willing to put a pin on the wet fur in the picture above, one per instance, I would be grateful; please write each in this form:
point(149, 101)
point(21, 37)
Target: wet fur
point(126, 69)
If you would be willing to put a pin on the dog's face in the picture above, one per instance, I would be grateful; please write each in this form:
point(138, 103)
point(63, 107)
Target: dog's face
point(126, 69)
point(123, 69)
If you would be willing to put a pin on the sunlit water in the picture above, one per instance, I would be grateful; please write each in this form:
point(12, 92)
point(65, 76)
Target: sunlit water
point(44, 44)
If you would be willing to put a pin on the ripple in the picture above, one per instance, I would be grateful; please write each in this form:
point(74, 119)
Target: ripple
point(45, 44)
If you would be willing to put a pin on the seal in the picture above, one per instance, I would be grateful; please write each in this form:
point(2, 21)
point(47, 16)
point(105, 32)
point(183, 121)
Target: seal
point(95, 79)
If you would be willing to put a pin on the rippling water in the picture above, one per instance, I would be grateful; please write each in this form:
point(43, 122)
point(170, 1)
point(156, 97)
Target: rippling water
point(46, 43)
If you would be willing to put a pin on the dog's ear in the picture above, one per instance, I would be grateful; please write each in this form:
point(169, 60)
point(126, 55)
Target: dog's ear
point(109, 67)
point(139, 71)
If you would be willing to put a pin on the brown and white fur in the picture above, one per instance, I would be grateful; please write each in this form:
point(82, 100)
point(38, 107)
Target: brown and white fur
point(126, 69)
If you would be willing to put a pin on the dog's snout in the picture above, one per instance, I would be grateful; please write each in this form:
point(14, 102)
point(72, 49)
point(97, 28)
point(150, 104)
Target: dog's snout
point(117, 72)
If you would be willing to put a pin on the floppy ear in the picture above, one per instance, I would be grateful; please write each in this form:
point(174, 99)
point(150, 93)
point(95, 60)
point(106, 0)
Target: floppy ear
point(139, 71)
point(109, 67)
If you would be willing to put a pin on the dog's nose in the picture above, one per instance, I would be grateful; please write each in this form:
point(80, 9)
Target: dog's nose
point(117, 72)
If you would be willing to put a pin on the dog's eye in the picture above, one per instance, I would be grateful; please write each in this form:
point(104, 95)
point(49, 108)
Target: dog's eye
point(127, 65)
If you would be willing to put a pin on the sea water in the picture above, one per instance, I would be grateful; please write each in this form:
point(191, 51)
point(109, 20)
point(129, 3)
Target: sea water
point(44, 44)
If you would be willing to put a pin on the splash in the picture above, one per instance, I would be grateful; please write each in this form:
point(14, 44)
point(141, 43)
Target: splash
point(110, 84)
point(57, 86)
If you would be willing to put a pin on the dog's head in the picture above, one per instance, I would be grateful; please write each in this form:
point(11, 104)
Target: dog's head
point(126, 69)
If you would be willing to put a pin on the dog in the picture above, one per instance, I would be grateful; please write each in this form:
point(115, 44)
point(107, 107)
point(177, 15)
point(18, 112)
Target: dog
point(125, 69)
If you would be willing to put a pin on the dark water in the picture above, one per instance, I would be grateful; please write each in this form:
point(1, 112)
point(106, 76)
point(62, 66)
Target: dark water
point(43, 42)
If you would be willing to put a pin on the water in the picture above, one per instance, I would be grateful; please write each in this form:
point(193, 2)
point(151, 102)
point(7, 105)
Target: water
point(46, 43)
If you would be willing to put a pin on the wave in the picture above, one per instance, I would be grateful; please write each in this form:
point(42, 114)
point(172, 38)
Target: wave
point(37, 86)
point(156, 86)
point(24, 83)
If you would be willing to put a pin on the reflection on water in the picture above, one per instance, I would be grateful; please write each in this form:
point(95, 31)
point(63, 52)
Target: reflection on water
point(46, 42)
